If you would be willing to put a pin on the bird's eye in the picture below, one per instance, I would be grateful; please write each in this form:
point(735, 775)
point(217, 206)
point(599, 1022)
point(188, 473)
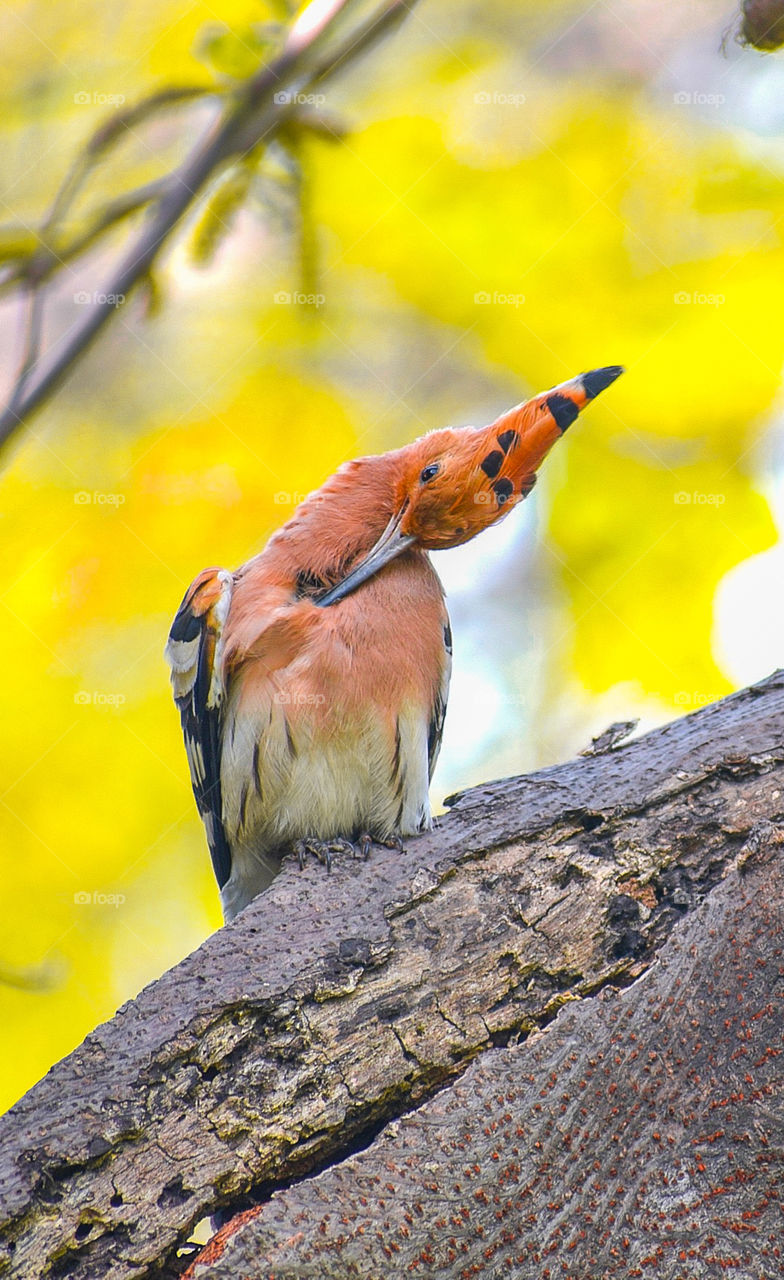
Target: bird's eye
point(431, 470)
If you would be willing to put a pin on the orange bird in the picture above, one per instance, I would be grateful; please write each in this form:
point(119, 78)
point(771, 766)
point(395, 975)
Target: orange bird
point(312, 682)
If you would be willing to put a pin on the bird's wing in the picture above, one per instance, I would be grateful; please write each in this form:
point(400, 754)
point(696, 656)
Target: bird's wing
point(195, 654)
point(438, 710)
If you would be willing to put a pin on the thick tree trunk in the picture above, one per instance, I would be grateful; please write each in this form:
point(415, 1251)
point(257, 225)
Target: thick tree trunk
point(335, 1004)
point(641, 1134)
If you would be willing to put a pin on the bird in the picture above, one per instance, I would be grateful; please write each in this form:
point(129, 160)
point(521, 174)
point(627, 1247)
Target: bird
point(312, 682)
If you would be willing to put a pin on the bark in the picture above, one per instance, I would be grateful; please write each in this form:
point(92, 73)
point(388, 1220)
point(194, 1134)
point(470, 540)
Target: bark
point(639, 1135)
point(335, 1004)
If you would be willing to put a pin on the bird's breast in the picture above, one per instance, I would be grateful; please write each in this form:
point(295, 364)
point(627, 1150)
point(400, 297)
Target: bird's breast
point(335, 741)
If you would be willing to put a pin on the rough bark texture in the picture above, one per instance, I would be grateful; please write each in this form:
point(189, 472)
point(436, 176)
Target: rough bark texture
point(336, 1003)
point(641, 1134)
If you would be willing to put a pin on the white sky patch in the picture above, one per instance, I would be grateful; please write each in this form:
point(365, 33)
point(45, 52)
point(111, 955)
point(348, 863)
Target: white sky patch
point(479, 707)
point(748, 608)
point(477, 704)
point(463, 567)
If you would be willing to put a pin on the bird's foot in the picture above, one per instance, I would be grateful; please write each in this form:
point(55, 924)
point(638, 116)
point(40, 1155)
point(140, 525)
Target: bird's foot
point(321, 849)
point(324, 849)
point(366, 840)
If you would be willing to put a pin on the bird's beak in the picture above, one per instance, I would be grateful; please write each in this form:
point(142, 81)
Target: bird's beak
point(389, 545)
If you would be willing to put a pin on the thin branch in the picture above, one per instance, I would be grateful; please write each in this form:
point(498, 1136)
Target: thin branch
point(106, 135)
point(36, 261)
point(32, 344)
point(45, 261)
point(254, 117)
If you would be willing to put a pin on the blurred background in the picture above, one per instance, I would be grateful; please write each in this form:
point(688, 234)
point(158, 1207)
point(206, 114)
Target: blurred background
point(524, 191)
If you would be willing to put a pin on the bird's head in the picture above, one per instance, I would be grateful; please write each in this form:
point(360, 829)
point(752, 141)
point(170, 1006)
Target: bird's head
point(455, 482)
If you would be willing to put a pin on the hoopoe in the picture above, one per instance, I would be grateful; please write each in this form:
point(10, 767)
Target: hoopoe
point(312, 682)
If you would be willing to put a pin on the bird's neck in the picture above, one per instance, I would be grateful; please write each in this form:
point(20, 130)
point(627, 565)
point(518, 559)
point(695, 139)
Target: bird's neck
point(336, 525)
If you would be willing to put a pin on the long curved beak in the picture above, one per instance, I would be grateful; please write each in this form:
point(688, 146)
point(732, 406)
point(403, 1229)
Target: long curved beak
point(389, 545)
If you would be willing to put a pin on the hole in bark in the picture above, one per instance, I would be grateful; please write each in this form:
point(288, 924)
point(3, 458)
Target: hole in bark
point(116, 1200)
point(210, 1073)
point(623, 909)
point(173, 1193)
point(590, 821)
point(63, 1266)
point(83, 1230)
point(630, 943)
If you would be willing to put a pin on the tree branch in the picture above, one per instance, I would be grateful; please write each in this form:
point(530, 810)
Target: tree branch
point(252, 118)
point(639, 1133)
point(334, 1004)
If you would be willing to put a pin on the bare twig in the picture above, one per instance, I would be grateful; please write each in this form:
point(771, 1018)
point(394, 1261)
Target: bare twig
point(35, 261)
point(106, 135)
point(45, 260)
point(256, 113)
point(32, 346)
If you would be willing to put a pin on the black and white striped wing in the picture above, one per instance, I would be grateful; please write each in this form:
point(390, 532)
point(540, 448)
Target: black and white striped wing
point(194, 652)
point(438, 711)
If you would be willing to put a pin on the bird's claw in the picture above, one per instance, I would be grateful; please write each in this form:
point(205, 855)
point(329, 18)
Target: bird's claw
point(321, 849)
point(324, 849)
point(366, 840)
